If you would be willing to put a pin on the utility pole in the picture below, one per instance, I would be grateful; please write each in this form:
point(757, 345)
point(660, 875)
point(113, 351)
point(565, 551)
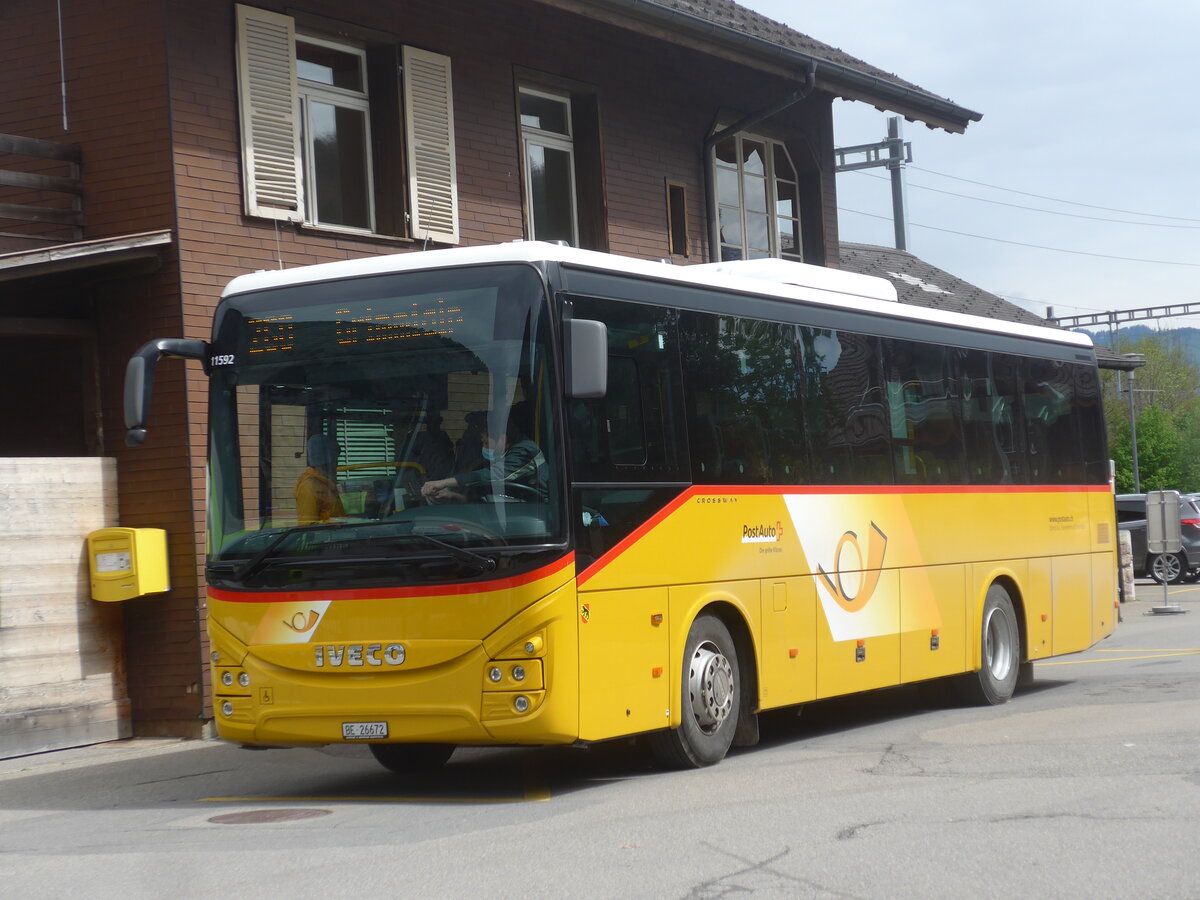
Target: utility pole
point(1137, 476)
point(896, 145)
point(899, 152)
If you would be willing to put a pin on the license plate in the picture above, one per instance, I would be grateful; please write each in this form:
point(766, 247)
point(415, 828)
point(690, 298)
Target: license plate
point(364, 731)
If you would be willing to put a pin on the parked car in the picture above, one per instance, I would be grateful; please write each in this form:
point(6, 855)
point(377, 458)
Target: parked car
point(1165, 568)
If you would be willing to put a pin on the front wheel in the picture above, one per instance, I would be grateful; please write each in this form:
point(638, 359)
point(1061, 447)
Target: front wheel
point(710, 700)
point(409, 759)
point(1000, 652)
point(1168, 568)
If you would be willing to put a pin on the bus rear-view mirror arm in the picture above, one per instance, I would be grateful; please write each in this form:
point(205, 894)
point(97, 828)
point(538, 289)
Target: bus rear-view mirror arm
point(139, 379)
point(587, 358)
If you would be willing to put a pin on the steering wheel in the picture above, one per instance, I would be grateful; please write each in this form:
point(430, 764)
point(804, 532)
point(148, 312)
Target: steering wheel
point(514, 489)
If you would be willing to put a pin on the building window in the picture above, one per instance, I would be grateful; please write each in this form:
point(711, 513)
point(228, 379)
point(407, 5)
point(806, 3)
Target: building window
point(677, 225)
point(758, 200)
point(332, 93)
point(548, 149)
point(322, 138)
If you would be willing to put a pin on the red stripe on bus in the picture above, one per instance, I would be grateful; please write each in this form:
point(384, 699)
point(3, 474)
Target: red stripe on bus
point(791, 491)
point(787, 491)
point(475, 587)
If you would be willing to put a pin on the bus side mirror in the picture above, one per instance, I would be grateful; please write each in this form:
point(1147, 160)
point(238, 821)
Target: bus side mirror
point(139, 380)
point(586, 343)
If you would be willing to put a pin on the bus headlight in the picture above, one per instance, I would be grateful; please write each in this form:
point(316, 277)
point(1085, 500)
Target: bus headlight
point(227, 678)
point(495, 674)
point(227, 708)
point(521, 704)
point(244, 679)
point(518, 673)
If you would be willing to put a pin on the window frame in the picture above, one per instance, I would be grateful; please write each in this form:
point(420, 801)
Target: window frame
point(308, 92)
point(550, 140)
point(772, 179)
point(412, 174)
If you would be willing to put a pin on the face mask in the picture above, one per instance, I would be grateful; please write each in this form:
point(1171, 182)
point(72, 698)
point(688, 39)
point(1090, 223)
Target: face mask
point(489, 454)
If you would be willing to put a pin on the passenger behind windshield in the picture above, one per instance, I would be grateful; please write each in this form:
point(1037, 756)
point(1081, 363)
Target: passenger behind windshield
point(514, 465)
point(316, 493)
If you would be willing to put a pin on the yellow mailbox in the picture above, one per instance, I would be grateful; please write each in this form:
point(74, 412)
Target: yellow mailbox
point(127, 562)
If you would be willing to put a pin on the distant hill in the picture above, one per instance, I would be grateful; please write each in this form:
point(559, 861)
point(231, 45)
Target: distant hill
point(1187, 338)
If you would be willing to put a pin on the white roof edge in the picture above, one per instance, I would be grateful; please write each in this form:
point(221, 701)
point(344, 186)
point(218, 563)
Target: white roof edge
point(784, 271)
point(812, 284)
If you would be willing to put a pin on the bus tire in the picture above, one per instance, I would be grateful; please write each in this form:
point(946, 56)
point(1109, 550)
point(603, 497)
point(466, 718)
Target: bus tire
point(407, 759)
point(710, 700)
point(1000, 652)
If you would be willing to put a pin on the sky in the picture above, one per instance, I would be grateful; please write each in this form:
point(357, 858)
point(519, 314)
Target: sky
point(1094, 103)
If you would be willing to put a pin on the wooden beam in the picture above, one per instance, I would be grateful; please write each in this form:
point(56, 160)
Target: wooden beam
point(24, 213)
point(25, 146)
point(62, 184)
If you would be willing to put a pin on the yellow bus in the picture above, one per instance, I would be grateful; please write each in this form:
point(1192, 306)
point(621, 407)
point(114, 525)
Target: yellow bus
point(532, 495)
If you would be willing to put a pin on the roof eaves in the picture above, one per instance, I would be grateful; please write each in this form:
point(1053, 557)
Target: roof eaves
point(852, 83)
point(83, 255)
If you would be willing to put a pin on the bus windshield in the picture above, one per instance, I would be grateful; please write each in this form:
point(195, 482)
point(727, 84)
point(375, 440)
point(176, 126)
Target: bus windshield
point(382, 429)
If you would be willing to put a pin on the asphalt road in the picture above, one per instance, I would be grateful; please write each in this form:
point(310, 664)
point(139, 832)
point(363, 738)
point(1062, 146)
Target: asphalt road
point(1086, 785)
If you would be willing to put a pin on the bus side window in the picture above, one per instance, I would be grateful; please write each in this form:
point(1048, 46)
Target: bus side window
point(925, 412)
point(626, 422)
point(845, 411)
point(633, 433)
point(1050, 426)
point(994, 444)
point(743, 400)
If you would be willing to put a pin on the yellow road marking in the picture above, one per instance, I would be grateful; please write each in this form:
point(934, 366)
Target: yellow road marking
point(1150, 655)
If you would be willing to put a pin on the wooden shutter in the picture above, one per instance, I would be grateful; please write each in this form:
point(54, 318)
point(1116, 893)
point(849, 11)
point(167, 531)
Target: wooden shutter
point(271, 168)
point(429, 128)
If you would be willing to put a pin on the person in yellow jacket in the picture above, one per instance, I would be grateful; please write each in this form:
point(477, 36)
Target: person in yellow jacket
point(316, 492)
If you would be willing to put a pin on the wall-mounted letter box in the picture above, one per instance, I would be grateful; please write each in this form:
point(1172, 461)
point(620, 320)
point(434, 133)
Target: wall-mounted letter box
point(127, 562)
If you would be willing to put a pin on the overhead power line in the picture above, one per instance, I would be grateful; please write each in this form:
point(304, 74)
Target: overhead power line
point(1127, 212)
point(982, 237)
point(1052, 212)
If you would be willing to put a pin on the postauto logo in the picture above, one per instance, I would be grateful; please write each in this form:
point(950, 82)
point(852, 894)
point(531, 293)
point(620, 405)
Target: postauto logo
point(762, 534)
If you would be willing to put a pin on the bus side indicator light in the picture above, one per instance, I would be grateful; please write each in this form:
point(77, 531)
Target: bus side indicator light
point(656, 672)
point(793, 652)
point(656, 619)
point(860, 651)
point(935, 640)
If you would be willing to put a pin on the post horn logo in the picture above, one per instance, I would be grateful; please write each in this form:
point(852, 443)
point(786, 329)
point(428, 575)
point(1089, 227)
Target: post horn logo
point(301, 623)
point(876, 547)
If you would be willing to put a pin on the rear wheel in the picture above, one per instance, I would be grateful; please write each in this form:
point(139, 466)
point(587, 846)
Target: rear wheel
point(710, 700)
point(1168, 568)
point(1000, 652)
point(406, 759)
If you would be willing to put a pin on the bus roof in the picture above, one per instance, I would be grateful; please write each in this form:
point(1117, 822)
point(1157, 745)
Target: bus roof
point(783, 279)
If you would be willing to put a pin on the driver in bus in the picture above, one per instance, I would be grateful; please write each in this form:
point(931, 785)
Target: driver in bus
point(316, 492)
point(512, 457)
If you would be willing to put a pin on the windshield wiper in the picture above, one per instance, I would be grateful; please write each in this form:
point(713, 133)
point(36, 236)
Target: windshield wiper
point(483, 563)
point(254, 563)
